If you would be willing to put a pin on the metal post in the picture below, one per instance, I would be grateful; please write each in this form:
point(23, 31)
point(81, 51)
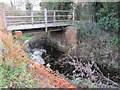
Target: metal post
point(32, 19)
point(54, 18)
point(45, 20)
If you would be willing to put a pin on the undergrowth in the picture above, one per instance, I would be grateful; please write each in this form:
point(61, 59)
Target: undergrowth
point(11, 75)
point(15, 77)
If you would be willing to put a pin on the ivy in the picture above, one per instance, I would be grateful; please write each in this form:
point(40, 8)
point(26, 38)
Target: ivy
point(108, 17)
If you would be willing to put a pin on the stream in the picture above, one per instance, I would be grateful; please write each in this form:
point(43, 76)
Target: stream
point(46, 54)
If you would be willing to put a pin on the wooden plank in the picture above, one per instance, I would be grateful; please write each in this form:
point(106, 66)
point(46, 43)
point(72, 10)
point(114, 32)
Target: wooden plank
point(17, 23)
point(23, 16)
point(34, 26)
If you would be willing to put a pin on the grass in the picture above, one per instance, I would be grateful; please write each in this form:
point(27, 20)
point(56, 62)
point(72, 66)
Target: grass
point(13, 77)
point(27, 37)
point(2, 46)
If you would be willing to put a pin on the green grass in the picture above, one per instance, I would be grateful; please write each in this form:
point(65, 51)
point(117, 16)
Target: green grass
point(11, 76)
point(2, 46)
point(27, 37)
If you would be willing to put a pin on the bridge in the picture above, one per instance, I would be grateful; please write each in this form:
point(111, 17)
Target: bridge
point(25, 20)
point(46, 77)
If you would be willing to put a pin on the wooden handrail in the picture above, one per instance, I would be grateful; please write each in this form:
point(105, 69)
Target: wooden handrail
point(32, 17)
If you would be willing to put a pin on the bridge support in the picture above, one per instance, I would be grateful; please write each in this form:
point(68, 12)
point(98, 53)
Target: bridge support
point(18, 34)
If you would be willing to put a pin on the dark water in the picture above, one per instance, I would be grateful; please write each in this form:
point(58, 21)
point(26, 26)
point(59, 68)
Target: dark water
point(53, 54)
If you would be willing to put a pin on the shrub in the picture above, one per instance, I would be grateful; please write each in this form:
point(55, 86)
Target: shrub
point(103, 45)
point(108, 17)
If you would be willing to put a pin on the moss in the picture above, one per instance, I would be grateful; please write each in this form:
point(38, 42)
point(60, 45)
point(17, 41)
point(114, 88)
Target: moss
point(27, 37)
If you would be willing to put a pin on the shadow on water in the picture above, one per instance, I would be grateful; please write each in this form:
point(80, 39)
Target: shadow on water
point(53, 52)
point(53, 55)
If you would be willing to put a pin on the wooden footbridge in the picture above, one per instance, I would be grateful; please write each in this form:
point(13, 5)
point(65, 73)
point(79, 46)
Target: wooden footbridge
point(25, 20)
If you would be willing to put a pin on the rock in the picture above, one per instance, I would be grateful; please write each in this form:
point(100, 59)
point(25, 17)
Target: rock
point(82, 85)
point(71, 37)
point(37, 55)
point(38, 58)
point(39, 52)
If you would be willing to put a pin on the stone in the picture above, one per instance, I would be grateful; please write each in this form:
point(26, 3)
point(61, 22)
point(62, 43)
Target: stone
point(37, 55)
point(71, 37)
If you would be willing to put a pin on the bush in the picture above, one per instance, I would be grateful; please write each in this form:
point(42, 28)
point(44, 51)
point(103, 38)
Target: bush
point(108, 17)
point(104, 47)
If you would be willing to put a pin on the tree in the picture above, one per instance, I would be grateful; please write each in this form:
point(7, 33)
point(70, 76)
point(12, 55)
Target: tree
point(56, 5)
point(108, 17)
point(28, 6)
point(11, 2)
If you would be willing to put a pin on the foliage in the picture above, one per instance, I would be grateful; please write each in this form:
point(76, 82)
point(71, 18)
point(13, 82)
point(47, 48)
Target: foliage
point(28, 6)
point(108, 17)
point(103, 45)
point(57, 5)
point(27, 37)
point(13, 70)
point(84, 11)
point(13, 77)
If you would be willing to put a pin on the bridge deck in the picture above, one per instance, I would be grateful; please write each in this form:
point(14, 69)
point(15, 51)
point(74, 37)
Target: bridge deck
point(25, 20)
point(34, 26)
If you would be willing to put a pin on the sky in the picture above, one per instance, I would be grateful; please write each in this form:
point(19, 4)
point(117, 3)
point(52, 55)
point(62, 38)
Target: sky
point(6, 1)
point(35, 3)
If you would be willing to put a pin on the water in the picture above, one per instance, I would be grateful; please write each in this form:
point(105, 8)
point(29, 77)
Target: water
point(36, 54)
point(39, 54)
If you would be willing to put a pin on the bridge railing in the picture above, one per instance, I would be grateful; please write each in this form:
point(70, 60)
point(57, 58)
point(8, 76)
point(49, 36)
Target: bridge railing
point(38, 17)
